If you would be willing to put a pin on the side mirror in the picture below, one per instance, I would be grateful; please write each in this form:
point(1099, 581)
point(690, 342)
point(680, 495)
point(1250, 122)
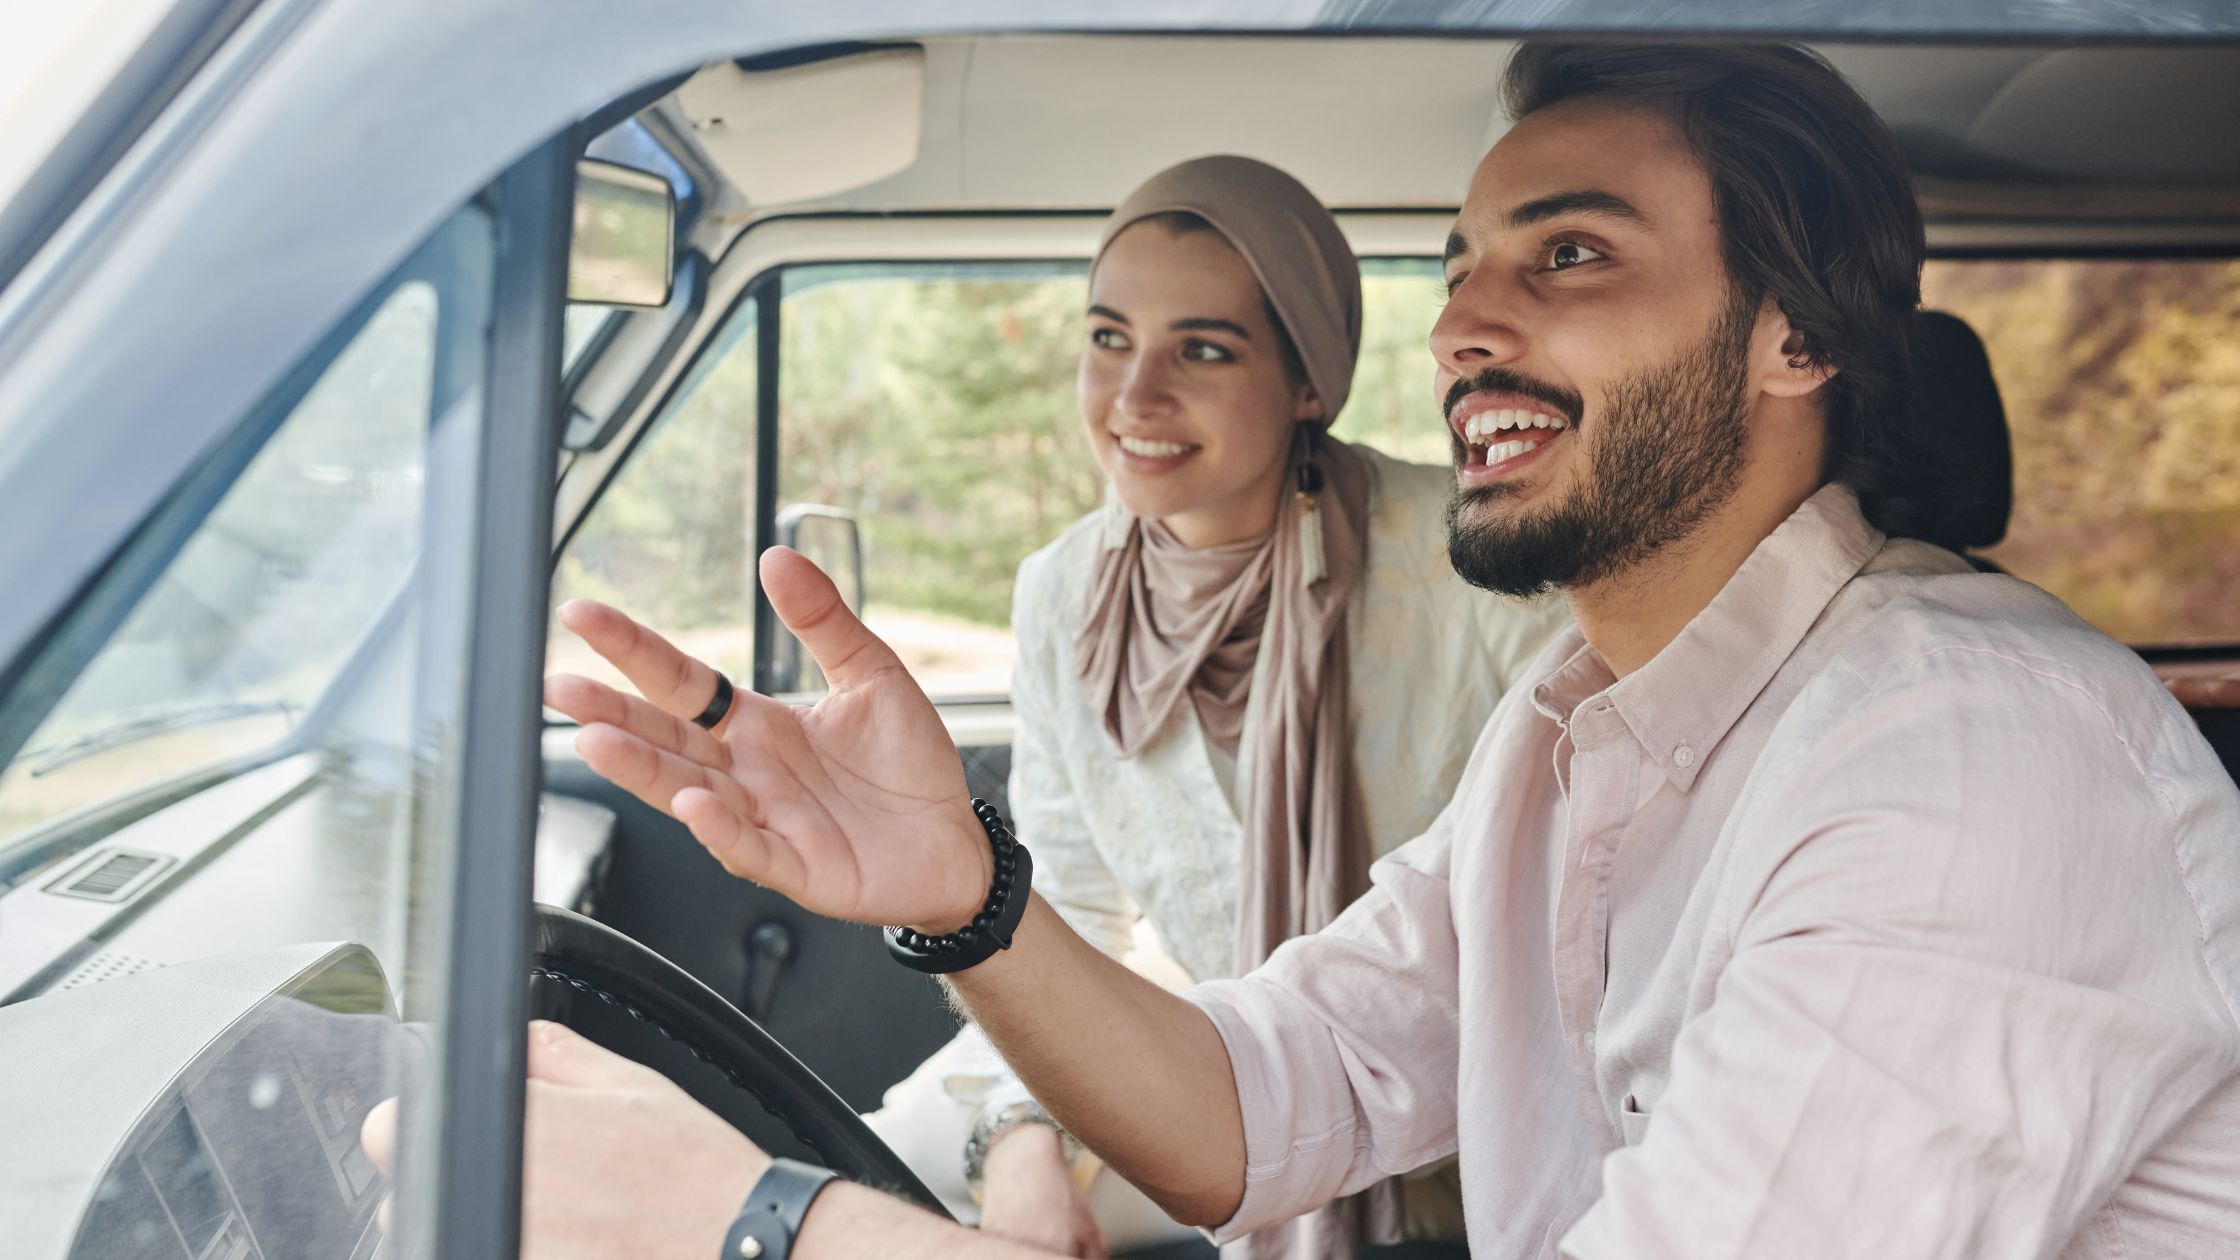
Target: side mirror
point(623, 251)
point(830, 537)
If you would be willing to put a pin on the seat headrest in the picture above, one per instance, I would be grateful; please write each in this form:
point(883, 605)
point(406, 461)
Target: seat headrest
point(1956, 397)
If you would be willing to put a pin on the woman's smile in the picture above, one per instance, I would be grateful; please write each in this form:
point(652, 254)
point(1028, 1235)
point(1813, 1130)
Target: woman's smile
point(1143, 456)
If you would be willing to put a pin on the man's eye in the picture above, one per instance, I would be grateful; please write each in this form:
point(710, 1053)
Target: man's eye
point(1205, 352)
point(1108, 339)
point(1564, 255)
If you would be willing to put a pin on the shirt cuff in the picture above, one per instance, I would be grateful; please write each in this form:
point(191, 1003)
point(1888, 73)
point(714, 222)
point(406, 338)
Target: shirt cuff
point(1291, 1152)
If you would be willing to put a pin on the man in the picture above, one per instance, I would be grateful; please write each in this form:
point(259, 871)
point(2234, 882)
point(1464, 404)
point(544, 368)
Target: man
point(1823, 898)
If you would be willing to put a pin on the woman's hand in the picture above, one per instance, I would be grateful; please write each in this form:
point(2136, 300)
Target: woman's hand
point(1031, 1197)
point(855, 807)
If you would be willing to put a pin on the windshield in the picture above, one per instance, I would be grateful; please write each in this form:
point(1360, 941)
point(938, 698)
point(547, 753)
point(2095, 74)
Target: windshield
point(247, 627)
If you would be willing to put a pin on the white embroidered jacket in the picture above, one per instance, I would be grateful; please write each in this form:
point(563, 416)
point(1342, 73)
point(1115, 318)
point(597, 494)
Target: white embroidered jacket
point(1117, 839)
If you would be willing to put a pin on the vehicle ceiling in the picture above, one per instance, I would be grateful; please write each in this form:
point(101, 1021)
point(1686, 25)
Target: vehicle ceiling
point(1073, 122)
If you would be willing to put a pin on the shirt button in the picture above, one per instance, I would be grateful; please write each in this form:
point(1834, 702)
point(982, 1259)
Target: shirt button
point(1588, 1041)
point(1683, 756)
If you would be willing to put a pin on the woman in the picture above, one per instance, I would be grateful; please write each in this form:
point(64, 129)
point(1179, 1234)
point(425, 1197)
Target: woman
point(1210, 669)
point(1260, 624)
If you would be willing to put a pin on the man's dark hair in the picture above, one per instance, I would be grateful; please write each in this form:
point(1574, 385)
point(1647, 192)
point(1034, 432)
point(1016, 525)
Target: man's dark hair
point(1816, 212)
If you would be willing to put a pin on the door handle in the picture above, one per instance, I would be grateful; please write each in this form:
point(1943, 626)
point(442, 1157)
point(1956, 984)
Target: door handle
point(769, 950)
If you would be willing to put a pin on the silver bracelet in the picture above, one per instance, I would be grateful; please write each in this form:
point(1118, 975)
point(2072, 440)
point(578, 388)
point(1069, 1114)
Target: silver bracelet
point(993, 1123)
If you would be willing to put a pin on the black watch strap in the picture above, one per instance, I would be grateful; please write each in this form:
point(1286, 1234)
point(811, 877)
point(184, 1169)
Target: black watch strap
point(771, 1216)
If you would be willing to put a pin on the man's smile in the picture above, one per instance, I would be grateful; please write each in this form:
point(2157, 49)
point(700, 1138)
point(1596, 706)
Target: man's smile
point(1501, 433)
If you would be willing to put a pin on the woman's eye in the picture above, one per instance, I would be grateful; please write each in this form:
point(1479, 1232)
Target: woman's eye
point(1205, 352)
point(1564, 255)
point(1108, 339)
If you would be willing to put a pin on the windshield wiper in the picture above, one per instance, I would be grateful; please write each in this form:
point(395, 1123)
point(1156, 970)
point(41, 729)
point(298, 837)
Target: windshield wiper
point(135, 729)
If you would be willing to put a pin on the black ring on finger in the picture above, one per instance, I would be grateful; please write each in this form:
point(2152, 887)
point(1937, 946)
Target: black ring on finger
point(718, 708)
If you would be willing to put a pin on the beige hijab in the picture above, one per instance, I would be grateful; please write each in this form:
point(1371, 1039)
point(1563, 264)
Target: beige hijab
point(1165, 621)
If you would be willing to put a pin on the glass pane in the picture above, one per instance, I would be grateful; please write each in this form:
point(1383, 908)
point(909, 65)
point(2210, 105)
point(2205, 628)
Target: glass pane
point(936, 404)
point(579, 327)
point(672, 540)
point(248, 626)
point(2121, 380)
point(223, 906)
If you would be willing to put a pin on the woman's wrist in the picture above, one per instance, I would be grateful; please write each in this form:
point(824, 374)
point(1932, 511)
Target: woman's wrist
point(1035, 1143)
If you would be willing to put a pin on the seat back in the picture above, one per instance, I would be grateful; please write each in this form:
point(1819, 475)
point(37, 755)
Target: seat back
point(1954, 388)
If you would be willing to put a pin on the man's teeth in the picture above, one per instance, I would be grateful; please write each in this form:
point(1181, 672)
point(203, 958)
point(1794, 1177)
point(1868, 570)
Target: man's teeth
point(1480, 428)
point(1151, 449)
point(1508, 450)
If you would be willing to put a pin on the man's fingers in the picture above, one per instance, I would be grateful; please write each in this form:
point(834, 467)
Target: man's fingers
point(732, 838)
point(653, 775)
point(378, 1135)
point(673, 681)
point(561, 1056)
point(810, 605)
point(591, 703)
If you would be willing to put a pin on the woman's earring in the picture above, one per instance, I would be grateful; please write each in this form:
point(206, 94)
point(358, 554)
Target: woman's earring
point(1313, 563)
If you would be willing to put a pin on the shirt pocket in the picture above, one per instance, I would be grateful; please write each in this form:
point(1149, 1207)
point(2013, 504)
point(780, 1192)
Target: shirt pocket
point(1632, 1121)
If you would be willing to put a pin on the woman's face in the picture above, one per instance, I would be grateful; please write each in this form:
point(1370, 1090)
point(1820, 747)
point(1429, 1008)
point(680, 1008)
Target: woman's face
point(1184, 389)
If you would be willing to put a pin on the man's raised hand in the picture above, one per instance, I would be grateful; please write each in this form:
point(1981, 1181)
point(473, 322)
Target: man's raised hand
point(854, 807)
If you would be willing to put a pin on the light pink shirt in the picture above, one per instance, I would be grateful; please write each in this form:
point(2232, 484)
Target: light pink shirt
point(1891, 911)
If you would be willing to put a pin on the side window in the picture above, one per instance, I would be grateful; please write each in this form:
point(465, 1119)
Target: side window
point(229, 839)
point(244, 631)
point(926, 420)
point(1391, 407)
point(672, 539)
point(2122, 392)
point(935, 406)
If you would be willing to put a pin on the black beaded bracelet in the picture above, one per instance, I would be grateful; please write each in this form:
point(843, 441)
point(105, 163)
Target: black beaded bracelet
point(991, 929)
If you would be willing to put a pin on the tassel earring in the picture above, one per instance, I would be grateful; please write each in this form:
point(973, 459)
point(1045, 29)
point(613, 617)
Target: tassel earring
point(1313, 564)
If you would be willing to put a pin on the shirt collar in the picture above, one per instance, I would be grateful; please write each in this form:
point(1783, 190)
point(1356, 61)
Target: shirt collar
point(1684, 701)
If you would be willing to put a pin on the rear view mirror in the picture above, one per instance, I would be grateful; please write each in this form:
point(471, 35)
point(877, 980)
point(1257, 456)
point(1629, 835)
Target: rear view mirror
point(624, 247)
point(830, 537)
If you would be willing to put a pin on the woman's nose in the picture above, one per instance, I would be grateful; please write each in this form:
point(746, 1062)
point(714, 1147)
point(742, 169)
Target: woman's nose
point(1478, 327)
point(1146, 389)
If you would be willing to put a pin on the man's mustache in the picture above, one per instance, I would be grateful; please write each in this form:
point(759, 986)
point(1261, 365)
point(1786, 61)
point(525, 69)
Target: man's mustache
point(1568, 402)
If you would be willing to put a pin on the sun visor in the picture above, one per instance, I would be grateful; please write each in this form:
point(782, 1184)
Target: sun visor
point(2119, 115)
point(810, 131)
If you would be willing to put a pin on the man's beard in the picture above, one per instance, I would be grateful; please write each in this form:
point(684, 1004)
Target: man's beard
point(1668, 454)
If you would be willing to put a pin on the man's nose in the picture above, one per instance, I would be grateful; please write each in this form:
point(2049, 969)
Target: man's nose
point(1478, 327)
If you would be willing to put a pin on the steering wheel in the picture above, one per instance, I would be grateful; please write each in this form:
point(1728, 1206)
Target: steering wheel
point(594, 959)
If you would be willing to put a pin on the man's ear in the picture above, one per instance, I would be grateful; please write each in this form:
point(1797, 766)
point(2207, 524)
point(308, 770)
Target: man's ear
point(1782, 363)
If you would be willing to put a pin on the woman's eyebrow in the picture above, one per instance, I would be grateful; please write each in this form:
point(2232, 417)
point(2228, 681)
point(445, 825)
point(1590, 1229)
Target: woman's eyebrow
point(1202, 324)
point(1196, 323)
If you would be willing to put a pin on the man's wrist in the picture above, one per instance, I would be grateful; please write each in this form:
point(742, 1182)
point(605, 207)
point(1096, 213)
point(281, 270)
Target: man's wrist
point(975, 837)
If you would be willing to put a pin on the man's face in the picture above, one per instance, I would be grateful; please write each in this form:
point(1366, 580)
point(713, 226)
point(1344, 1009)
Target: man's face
point(1593, 363)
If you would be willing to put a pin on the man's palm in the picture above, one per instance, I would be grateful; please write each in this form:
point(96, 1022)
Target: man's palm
point(854, 807)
